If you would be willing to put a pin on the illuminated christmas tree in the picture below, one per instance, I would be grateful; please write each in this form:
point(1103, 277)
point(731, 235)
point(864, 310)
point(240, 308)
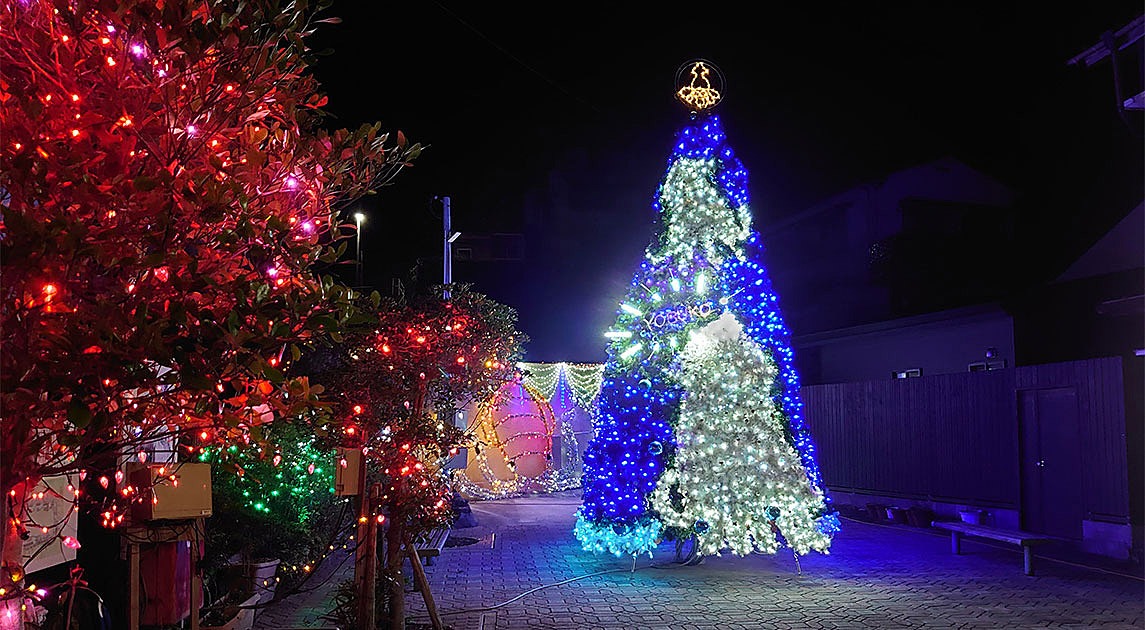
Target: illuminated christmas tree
point(700, 427)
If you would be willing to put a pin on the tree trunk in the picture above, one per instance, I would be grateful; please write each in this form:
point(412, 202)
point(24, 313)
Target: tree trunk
point(395, 535)
point(368, 577)
point(12, 556)
point(366, 560)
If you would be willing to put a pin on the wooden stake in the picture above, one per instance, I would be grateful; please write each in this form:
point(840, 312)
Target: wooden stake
point(422, 584)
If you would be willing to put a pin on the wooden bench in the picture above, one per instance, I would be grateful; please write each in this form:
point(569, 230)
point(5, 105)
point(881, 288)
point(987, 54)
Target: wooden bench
point(429, 546)
point(1025, 540)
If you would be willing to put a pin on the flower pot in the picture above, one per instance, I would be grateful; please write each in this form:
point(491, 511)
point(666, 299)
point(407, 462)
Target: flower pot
point(262, 579)
point(896, 515)
point(256, 577)
point(973, 517)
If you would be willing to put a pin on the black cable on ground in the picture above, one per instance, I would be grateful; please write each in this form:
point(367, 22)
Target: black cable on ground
point(544, 586)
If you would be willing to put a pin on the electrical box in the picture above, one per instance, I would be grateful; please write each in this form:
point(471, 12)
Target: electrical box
point(170, 491)
point(347, 470)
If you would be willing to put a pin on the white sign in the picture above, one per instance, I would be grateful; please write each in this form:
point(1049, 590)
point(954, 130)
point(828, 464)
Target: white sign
point(53, 511)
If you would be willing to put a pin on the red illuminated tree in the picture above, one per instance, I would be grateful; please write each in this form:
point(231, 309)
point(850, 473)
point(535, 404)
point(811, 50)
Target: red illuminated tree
point(400, 386)
point(169, 196)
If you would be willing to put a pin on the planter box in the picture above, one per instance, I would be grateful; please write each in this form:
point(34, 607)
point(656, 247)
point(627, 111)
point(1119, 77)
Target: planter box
point(876, 511)
point(242, 619)
point(896, 515)
point(919, 516)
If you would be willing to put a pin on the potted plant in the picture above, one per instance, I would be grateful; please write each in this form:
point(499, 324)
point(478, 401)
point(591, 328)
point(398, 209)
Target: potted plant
point(274, 514)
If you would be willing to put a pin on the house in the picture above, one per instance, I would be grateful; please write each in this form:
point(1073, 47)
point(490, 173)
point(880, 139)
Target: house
point(969, 393)
point(915, 242)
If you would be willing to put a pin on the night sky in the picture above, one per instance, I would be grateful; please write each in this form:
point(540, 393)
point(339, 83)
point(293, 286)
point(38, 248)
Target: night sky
point(556, 121)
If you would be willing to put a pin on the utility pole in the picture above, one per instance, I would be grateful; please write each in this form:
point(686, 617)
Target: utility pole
point(358, 218)
point(448, 236)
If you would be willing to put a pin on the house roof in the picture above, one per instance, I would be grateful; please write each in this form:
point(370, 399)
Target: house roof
point(1122, 39)
point(1121, 248)
point(946, 178)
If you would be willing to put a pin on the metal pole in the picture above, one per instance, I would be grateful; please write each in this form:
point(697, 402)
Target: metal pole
point(447, 252)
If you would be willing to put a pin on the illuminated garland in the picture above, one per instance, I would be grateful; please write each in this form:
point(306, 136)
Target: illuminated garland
point(583, 378)
point(286, 482)
point(486, 423)
point(642, 470)
point(170, 201)
point(542, 376)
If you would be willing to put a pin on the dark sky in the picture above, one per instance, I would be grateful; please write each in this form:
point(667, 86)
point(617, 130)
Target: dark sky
point(556, 119)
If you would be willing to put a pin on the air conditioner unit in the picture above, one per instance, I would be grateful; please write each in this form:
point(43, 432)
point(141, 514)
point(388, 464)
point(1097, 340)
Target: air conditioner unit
point(986, 366)
point(170, 491)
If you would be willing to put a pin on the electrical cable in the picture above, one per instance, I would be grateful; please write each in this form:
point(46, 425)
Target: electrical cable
point(510, 55)
point(685, 563)
point(544, 586)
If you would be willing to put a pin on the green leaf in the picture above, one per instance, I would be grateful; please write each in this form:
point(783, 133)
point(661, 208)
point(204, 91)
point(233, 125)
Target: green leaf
point(79, 414)
point(143, 183)
point(323, 321)
point(272, 374)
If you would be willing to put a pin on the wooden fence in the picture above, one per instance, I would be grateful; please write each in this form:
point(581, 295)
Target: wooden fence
point(955, 437)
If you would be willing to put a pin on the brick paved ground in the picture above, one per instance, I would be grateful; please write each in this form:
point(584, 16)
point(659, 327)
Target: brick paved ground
point(527, 571)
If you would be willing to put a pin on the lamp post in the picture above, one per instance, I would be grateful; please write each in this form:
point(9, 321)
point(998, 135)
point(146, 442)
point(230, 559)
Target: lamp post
point(448, 236)
point(358, 218)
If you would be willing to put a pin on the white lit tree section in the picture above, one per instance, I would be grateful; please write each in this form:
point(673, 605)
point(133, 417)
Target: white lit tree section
point(738, 483)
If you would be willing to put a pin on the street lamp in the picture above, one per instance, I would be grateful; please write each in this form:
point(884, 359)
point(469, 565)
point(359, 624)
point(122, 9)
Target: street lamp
point(358, 218)
point(448, 237)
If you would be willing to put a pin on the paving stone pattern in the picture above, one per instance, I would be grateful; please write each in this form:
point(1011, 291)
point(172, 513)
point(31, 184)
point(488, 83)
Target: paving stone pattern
point(528, 571)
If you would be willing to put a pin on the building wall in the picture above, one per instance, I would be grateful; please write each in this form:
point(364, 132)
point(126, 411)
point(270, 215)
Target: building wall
point(940, 343)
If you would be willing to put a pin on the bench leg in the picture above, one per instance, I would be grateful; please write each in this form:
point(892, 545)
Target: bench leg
point(1028, 559)
point(956, 543)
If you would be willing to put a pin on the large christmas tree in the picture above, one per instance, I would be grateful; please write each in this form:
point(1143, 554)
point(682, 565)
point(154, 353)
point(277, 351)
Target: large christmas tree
point(701, 429)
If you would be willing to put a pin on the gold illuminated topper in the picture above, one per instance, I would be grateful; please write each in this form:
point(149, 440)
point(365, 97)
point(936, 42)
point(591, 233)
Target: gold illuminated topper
point(699, 94)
